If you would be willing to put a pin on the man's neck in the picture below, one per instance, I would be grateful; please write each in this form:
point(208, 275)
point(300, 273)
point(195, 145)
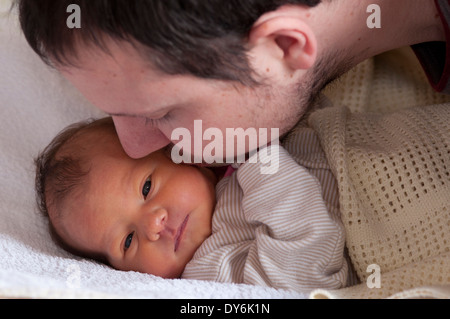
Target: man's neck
point(341, 26)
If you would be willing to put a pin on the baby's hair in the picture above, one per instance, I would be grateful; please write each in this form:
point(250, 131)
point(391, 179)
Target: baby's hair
point(61, 170)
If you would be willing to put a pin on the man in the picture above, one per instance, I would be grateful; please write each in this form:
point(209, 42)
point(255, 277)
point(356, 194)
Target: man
point(159, 65)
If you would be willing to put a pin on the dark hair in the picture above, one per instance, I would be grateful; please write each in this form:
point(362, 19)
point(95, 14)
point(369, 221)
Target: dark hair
point(57, 177)
point(205, 38)
point(59, 172)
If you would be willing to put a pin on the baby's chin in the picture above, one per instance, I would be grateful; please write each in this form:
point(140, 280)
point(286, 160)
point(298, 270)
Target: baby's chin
point(175, 273)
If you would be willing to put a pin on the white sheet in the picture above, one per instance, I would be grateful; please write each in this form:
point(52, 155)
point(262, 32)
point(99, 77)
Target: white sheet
point(35, 104)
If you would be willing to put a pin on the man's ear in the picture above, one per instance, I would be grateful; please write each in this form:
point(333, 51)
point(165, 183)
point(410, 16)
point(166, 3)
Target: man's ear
point(290, 36)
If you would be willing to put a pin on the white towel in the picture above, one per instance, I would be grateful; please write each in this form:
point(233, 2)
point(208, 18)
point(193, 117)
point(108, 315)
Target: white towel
point(35, 104)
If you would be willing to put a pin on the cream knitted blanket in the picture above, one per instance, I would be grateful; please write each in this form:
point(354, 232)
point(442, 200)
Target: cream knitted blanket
point(393, 170)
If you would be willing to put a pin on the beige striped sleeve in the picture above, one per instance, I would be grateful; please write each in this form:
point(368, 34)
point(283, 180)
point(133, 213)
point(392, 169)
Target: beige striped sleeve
point(272, 230)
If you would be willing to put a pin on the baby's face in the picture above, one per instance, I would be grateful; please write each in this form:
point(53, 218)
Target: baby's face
point(148, 215)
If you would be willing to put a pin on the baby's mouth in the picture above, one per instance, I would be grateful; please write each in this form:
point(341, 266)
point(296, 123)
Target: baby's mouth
point(180, 233)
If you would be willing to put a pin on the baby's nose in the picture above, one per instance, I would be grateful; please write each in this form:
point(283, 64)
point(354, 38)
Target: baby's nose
point(156, 223)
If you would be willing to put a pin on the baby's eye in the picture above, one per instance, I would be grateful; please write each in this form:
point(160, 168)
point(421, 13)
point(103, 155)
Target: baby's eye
point(147, 187)
point(128, 241)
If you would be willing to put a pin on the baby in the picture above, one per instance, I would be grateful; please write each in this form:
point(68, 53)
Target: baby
point(148, 215)
point(175, 220)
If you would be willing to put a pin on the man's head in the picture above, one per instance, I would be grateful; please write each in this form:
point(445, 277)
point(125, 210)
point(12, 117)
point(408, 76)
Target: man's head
point(159, 65)
point(148, 215)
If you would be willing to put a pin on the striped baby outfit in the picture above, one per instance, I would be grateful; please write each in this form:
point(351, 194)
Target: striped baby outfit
point(280, 230)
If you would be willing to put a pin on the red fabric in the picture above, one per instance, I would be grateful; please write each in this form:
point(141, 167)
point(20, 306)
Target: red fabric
point(435, 56)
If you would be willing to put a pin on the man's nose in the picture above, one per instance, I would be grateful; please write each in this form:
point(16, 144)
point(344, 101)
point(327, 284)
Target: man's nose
point(138, 139)
point(154, 223)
